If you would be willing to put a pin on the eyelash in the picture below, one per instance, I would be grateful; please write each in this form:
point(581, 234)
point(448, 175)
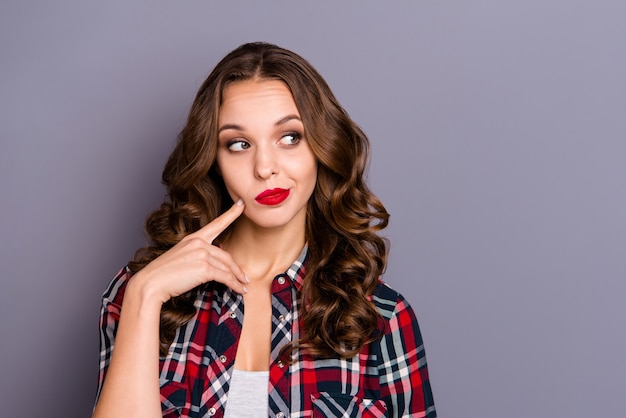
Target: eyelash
point(297, 137)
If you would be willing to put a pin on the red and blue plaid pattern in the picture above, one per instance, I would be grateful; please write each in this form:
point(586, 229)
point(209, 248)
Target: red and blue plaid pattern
point(388, 378)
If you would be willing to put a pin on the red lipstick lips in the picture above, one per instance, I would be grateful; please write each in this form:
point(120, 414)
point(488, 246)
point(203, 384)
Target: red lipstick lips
point(272, 197)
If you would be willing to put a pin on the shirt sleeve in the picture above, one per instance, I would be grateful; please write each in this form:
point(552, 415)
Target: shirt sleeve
point(109, 320)
point(403, 371)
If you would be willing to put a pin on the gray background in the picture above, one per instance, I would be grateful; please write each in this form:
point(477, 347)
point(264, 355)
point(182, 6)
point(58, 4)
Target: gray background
point(498, 134)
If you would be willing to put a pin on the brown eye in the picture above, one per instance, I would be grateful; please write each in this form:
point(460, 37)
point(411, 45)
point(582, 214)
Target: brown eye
point(291, 138)
point(238, 145)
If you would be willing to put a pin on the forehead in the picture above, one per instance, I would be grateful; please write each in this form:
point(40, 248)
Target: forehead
point(243, 99)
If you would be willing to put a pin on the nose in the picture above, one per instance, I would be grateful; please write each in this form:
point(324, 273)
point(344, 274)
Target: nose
point(265, 163)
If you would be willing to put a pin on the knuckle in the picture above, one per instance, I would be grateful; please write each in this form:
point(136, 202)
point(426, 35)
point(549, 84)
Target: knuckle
point(192, 240)
point(199, 253)
point(206, 269)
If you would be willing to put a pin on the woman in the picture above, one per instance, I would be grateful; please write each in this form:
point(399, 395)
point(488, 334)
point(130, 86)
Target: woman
point(267, 214)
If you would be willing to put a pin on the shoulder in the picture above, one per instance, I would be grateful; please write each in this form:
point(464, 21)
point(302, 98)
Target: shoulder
point(389, 301)
point(114, 293)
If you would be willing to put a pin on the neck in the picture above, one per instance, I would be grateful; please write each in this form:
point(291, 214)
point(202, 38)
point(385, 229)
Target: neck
point(263, 253)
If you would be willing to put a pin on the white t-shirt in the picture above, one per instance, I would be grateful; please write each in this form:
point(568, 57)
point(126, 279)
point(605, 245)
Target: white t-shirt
point(248, 394)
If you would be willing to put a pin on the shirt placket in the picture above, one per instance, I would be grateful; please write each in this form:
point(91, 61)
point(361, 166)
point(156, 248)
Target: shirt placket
point(283, 296)
point(225, 341)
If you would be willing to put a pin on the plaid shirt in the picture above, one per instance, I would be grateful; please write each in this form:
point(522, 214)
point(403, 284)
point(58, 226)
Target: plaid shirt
point(389, 377)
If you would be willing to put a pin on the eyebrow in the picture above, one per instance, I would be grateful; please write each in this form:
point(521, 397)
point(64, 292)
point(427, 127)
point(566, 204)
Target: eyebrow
point(279, 122)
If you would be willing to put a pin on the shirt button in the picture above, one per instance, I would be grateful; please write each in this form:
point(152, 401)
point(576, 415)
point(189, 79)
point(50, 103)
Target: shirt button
point(212, 411)
point(281, 364)
point(232, 314)
point(281, 318)
point(223, 358)
point(280, 415)
point(281, 280)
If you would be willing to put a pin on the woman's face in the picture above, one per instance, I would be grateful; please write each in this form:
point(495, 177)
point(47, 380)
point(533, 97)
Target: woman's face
point(263, 155)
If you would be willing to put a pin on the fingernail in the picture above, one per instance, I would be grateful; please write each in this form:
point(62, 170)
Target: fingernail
point(245, 289)
point(247, 278)
point(239, 202)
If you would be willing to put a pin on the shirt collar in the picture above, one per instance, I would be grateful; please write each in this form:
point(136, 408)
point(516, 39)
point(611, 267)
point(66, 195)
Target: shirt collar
point(297, 269)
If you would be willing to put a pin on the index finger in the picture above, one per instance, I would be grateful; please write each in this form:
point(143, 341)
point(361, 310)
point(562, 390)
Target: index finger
point(212, 230)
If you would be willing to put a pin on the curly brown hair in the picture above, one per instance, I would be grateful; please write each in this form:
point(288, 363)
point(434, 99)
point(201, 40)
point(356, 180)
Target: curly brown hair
point(346, 256)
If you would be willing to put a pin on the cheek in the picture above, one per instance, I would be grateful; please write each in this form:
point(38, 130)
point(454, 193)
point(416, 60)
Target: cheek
point(310, 176)
point(313, 174)
point(225, 168)
point(302, 169)
point(228, 176)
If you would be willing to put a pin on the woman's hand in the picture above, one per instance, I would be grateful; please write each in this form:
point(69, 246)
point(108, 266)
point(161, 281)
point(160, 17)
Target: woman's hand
point(192, 262)
point(131, 387)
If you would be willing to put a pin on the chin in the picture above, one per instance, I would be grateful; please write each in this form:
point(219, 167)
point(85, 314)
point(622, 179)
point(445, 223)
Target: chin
point(273, 218)
point(268, 222)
